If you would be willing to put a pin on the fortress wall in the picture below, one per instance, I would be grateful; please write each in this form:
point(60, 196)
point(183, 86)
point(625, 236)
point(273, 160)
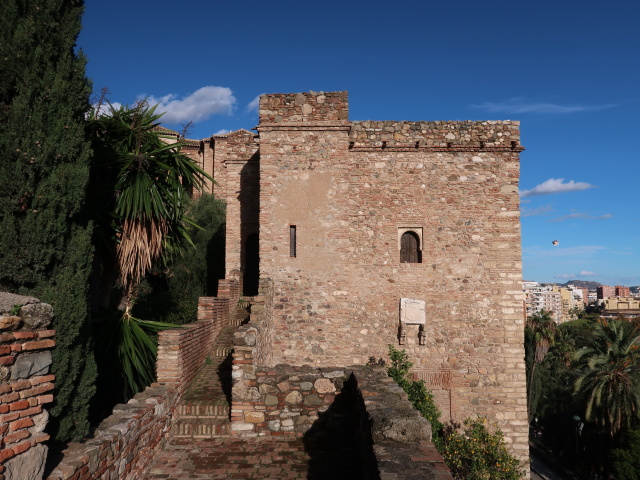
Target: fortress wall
point(236, 162)
point(349, 191)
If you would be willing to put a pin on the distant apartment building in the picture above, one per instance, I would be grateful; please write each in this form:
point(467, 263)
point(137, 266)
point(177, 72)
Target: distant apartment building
point(571, 298)
point(585, 296)
point(606, 291)
point(542, 297)
point(627, 307)
point(622, 291)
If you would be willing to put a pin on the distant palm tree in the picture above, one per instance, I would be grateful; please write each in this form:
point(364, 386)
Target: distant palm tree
point(609, 376)
point(541, 333)
point(544, 331)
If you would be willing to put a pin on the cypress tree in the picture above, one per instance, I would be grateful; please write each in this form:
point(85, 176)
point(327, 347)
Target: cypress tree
point(45, 241)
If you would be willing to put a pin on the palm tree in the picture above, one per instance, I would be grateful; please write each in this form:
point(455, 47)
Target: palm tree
point(609, 375)
point(540, 334)
point(140, 191)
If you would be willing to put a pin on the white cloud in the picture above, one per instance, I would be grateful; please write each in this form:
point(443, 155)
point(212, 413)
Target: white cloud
point(200, 105)
point(583, 273)
point(564, 275)
point(222, 132)
point(575, 252)
point(254, 104)
point(584, 216)
point(530, 212)
point(518, 105)
point(555, 185)
point(104, 107)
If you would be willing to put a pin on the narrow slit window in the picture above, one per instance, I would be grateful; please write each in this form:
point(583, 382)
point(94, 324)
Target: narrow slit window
point(292, 241)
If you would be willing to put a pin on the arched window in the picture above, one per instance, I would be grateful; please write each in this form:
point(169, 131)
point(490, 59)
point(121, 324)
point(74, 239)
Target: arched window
point(410, 248)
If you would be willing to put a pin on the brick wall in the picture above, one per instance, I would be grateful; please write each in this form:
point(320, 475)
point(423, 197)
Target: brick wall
point(25, 384)
point(125, 443)
point(182, 351)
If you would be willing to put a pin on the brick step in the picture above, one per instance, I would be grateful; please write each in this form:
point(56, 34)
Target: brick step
point(222, 350)
point(201, 427)
point(216, 407)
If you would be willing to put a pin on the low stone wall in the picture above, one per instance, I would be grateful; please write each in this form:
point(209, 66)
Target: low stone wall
point(25, 385)
point(393, 438)
point(125, 443)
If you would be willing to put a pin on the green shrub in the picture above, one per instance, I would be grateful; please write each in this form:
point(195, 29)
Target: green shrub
point(626, 460)
point(472, 454)
point(477, 454)
point(419, 396)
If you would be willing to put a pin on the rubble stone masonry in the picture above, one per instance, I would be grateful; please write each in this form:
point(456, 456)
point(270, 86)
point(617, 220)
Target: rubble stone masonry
point(344, 192)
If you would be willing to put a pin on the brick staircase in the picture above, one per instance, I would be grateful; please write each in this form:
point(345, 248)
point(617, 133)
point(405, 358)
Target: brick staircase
point(204, 409)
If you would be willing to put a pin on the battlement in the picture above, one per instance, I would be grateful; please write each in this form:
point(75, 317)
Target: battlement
point(474, 134)
point(310, 107)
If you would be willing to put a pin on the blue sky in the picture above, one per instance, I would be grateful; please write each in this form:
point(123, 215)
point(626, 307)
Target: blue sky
point(568, 70)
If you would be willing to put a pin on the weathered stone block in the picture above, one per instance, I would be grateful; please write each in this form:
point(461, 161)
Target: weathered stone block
point(37, 315)
point(324, 385)
point(293, 398)
point(31, 365)
point(28, 465)
point(253, 417)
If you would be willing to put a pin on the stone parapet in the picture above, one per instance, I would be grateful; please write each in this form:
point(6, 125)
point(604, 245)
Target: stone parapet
point(125, 443)
point(309, 107)
point(257, 334)
point(26, 385)
point(479, 135)
point(394, 441)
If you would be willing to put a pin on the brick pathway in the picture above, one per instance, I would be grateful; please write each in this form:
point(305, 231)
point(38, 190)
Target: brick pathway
point(222, 458)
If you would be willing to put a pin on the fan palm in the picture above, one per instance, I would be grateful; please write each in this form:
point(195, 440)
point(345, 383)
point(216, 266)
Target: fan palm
point(609, 378)
point(141, 184)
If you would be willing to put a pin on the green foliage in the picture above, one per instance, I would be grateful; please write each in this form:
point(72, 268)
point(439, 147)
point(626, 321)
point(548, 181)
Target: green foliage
point(45, 238)
point(419, 396)
point(477, 454)
point(15, 310)
point(626, 460)
point(140, 196)
point(129, 347)
point(171, 294)
point(142, 183)
point(608, 381)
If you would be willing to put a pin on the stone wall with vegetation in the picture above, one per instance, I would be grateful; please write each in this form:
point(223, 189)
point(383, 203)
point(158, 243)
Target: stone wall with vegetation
point(26, 384)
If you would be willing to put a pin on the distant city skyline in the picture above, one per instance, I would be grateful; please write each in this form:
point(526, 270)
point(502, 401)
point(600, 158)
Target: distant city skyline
point(568, 73)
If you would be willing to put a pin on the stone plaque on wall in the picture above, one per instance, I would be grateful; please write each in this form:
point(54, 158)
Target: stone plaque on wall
point(412, 311)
